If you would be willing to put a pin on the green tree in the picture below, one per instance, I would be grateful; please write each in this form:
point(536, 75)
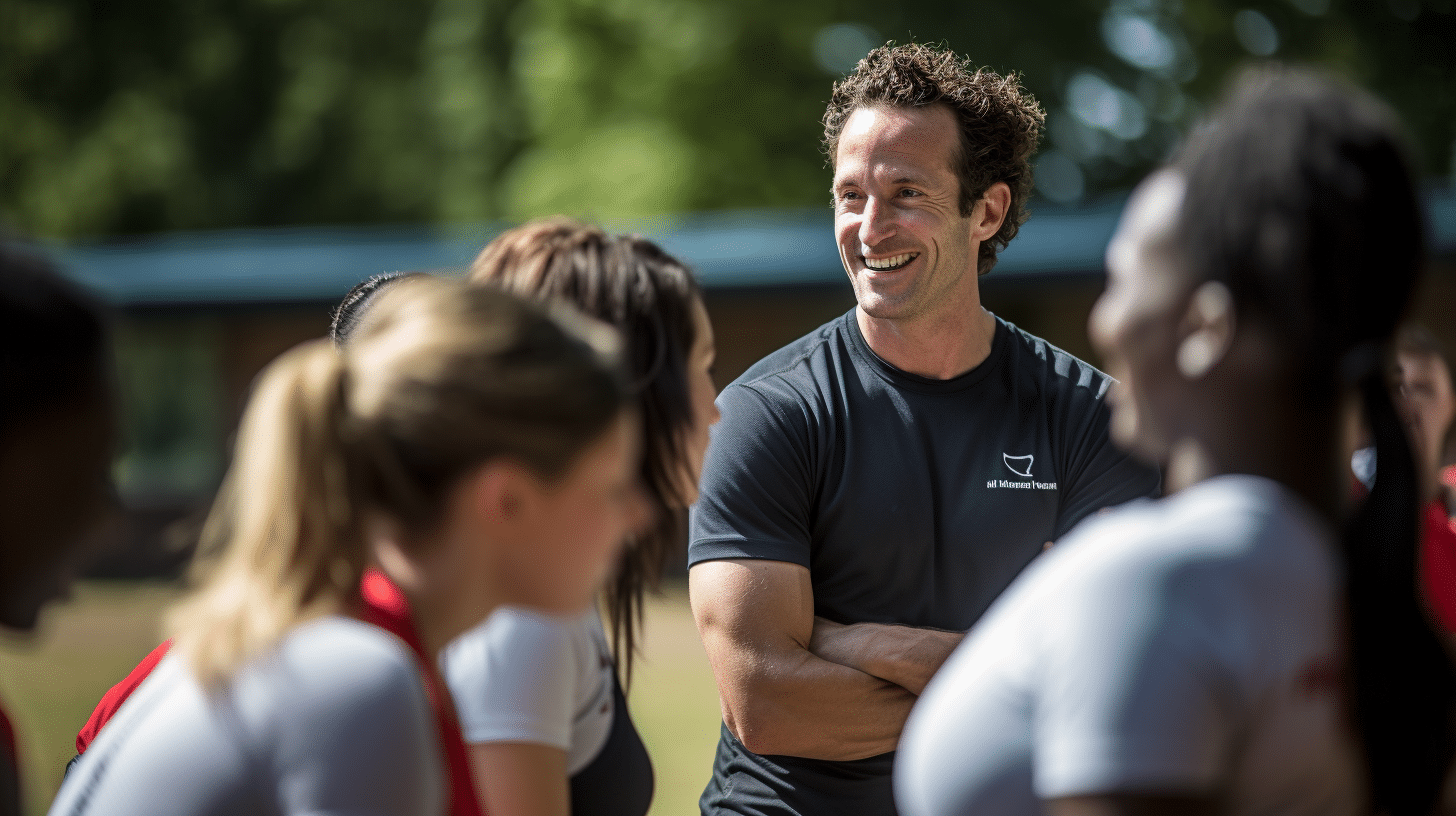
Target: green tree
point(161, 114)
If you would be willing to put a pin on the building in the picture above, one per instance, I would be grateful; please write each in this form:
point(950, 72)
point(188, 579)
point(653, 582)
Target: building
point(202, 313)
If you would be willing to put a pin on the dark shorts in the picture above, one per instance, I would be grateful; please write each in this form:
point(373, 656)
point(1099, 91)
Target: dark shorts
point(755, 785)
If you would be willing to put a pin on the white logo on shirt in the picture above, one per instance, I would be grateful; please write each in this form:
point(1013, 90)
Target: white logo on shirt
point(1023, 461)
point(1021, 466)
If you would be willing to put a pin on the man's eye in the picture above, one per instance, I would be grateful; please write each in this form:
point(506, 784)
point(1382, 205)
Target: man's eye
point(908, 193)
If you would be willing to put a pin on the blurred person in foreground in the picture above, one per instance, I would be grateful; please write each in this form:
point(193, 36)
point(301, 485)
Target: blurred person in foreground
point(872, 487)
point(381, 604)
point(57, 437)
point(472, 447)
point(539, 697)
point(1248, 644)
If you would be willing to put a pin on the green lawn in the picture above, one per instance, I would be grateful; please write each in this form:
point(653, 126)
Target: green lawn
point(50, 683)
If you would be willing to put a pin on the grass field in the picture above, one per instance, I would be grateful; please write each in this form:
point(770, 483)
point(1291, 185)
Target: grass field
point(51, 682)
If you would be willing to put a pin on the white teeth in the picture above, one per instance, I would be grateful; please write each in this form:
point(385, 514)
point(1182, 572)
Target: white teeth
point(889, 263)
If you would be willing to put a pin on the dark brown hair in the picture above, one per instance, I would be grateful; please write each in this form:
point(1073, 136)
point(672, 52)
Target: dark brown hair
point(1000, 123)
point(650, 297)
point(350, 311)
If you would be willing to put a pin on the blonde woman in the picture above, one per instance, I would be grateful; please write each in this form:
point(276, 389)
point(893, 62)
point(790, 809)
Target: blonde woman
point(472, 447)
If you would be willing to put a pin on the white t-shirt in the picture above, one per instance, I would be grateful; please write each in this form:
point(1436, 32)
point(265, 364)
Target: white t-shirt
point(524, 676)
point(1188, 644)
point(334, 721)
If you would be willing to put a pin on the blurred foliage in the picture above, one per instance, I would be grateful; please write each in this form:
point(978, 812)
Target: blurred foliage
point(163, 114)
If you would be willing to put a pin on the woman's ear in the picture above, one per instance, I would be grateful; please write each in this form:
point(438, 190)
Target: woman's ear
point(1207, 330)
point(501, 492)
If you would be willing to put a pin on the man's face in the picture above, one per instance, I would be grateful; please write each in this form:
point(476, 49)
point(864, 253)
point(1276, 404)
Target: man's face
point(902, 239)
point(1427, 404)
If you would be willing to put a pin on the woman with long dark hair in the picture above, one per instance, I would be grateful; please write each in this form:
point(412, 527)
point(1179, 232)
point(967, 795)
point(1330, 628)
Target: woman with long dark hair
point(539, 698)
point(1245, 644)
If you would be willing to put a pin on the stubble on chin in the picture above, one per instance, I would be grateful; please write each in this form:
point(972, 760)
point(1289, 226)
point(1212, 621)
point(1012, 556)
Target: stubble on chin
point(881, 305)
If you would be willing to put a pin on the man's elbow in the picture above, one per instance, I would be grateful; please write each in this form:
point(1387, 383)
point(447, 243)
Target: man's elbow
point(766, 733)
point(763, 740)
point(760, 728)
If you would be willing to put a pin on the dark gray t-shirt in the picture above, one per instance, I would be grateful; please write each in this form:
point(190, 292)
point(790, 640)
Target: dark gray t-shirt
point(911, 500)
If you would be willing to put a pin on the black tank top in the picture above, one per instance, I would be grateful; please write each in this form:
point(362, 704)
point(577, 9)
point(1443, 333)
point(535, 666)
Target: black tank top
point(618, 781)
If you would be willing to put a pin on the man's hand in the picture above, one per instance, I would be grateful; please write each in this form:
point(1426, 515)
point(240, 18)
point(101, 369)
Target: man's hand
point(904, 655)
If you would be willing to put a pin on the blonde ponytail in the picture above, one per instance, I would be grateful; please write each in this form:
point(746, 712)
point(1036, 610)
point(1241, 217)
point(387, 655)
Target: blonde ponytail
point(438, 378)
point(281, 544)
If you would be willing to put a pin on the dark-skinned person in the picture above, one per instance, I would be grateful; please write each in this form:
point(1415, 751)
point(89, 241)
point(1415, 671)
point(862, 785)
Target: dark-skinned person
point(57, 437)
point(1249, 643)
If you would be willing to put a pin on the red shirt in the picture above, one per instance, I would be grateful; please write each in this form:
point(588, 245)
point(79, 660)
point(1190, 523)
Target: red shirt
point(384, 606)
point(1438, 563)
point(116, 695)
point(12, 767)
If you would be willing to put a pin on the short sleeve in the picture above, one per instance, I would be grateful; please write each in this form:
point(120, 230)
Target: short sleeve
point(1129, 687)
point(357, 737)
point(755, 495)
point(515, 677)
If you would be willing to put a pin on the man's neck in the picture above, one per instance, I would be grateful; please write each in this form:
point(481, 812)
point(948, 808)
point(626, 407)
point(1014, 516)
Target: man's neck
point(939, 348)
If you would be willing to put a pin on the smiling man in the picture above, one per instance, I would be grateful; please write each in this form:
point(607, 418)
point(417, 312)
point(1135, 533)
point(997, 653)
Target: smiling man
point(873, 486)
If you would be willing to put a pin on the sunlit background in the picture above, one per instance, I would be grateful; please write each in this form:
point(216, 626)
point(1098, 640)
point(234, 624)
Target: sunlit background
point(223, 170)
point(148, 115)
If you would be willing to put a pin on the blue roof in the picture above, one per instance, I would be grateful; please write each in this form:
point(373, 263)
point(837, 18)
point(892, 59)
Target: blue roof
point(728, 250)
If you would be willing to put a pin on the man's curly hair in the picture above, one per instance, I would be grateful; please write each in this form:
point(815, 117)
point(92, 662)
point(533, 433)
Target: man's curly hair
point(1000, 123)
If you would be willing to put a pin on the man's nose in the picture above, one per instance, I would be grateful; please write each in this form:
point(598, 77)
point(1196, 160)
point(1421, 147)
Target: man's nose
point(877, 224)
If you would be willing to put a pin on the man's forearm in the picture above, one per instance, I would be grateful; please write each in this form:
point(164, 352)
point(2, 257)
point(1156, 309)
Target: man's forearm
point(814, 708)
point(907, 656)
point(756, 619)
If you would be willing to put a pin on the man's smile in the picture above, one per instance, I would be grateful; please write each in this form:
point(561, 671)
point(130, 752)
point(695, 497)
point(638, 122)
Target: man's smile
point(892, 263)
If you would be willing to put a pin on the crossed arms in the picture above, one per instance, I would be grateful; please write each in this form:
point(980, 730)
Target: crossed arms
point(793, 684)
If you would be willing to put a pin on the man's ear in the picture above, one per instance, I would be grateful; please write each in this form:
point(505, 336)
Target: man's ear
point(1207, 330)
point(990, 211)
